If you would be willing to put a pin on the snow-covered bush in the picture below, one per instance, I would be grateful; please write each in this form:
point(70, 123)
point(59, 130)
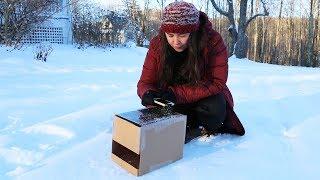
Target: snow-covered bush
point(42, 51)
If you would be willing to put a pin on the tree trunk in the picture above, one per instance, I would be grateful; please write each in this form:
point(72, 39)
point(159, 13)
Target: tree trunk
point(256, 36)
point(234, 37)
point(232, 29)
point(270, 45)
point(310, 44)
point(255, 41)
point(251, 12)
point(263, 45)
point(316, 42)
point(300, 46)
point(207, 7)
point(275, 49)
point(241, 46)
point(292, 50)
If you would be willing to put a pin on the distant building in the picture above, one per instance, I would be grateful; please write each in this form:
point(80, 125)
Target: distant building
point(58, 29)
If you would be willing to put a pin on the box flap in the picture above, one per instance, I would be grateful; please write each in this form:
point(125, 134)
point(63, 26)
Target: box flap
point(126, 134)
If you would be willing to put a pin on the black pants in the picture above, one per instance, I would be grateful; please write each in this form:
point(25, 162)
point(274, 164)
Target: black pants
point(209, 112)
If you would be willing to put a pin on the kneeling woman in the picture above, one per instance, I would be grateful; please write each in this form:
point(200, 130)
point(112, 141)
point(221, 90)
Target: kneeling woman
point(187, 63)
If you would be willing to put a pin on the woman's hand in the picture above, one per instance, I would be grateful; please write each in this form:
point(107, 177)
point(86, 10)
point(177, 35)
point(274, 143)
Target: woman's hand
point(168, 95)
point(148, 98)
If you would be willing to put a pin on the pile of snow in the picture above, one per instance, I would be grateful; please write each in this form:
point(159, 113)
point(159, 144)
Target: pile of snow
point(56, 118)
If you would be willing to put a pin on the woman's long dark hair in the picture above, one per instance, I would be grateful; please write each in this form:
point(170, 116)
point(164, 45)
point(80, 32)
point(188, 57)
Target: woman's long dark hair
point(195, 57)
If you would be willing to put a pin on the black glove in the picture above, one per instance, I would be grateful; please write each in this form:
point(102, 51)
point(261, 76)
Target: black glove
point(147, 98)
point(168, 95)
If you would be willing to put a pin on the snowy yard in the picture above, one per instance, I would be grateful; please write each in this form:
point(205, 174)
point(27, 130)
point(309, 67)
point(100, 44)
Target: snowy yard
point(56, 118)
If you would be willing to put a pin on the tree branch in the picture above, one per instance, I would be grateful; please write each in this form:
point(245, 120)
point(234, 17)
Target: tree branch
point(265, 13)
point(225, 13)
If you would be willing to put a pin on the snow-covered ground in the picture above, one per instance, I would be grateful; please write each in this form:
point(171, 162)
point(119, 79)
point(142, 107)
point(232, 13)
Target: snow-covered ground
point(56, 119)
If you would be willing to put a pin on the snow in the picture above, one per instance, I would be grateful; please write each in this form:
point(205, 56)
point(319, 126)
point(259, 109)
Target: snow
point(56, 118)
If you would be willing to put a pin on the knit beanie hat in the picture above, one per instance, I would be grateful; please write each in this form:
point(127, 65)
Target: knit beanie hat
point(180, 17)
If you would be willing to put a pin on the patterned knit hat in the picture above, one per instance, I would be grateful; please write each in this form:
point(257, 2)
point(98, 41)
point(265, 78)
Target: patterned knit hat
point(180, 17)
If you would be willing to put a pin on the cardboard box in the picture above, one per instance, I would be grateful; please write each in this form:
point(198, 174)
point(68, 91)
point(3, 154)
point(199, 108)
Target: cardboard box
point(147, 139)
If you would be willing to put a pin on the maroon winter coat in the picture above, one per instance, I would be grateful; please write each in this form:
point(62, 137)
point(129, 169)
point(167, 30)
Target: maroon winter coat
point(214, 82)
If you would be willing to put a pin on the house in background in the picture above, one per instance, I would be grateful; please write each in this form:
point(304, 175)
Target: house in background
point(58, 29)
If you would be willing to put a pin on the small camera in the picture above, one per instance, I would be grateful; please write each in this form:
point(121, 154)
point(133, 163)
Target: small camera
point(162, 102)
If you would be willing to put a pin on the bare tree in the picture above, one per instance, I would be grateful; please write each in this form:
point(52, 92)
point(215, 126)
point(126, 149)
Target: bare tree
point(256, 36)
point(263, 40)
point(18, 17)
point(89, 25)
point(144, 19)
point(310, 41)
point(207, 7)
point(316, 39)
point(161, 3)
point(277, 37)
point(133, 29)
point(238, 33)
